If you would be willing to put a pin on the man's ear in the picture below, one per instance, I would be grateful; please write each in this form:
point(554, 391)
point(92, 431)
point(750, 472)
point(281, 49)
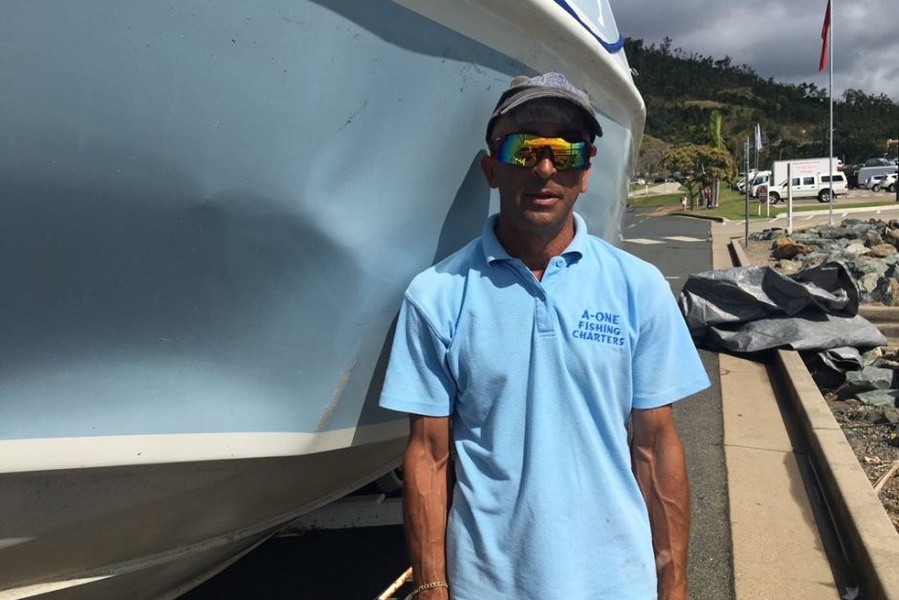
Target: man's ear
point(488, 166)
point(585, 176)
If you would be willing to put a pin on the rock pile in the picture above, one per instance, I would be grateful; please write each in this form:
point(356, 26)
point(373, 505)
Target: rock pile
point(860, 387)
point(868, 249)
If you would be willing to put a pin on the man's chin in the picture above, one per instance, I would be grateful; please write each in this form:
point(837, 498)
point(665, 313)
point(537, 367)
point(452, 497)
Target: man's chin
point(544, 219)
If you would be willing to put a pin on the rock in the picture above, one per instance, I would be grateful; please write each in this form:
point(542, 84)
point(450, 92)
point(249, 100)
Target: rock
point(813, 260)
point(884, 363)
point(891, 236)
point(870, 378)
point(788, 249)
point(856, 248)
point(788, 267)
point(871, 264)
point(887, 291)
point(891, 414)
point(834, 232)
point(880, 399)
point(881, 250)
point(872, 356)
point(873, 238)
point(868, 283)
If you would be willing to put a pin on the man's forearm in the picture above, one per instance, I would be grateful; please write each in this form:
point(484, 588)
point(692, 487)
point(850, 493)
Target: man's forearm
point(669, 513)
point(660, 468)
point(425, 507)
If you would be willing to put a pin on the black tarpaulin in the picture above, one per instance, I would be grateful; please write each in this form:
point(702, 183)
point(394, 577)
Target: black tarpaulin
point(748, 309)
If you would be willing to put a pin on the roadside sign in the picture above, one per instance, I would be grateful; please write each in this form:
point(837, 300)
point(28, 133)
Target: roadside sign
point(763, 194)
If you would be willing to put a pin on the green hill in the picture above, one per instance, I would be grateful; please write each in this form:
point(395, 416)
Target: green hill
point(681, 90)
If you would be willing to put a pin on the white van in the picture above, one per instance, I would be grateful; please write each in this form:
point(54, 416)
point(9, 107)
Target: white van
point(740, 183)
point(815, 185)
point(761, 178)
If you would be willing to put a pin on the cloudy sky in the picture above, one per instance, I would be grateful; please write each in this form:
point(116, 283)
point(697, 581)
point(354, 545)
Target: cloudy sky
point(779, 38)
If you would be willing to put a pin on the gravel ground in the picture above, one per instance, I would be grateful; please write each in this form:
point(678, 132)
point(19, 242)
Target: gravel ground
point(875, 442)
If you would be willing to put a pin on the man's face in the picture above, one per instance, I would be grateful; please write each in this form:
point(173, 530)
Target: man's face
point(536, 200)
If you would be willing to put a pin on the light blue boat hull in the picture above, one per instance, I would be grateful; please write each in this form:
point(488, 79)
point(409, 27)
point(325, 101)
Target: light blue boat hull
point(210, 211)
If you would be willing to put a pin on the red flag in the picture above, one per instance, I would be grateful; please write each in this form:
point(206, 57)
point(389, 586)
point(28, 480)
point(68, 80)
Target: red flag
point(825, 37)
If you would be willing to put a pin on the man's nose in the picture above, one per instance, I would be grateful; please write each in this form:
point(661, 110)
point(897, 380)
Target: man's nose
point(545, 167)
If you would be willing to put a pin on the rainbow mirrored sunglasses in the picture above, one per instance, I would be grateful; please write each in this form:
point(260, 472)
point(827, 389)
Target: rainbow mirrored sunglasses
point(523, 150)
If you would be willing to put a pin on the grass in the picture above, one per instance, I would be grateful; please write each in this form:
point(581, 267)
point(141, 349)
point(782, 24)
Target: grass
point(706, 104)
point(657, 200)
point(732, 205)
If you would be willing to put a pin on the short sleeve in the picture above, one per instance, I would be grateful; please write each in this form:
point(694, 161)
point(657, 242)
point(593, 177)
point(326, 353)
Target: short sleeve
point(666, 364)
point(418, 380)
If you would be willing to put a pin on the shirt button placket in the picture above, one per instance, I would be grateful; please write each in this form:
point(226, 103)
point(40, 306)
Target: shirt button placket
point(544, 310)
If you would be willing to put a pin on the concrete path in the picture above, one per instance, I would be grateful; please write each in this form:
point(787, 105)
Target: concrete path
point(777, 549)
point(784, 542)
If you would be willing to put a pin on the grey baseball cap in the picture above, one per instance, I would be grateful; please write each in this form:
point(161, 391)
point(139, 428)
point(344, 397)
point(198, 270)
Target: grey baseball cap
point(547, 86)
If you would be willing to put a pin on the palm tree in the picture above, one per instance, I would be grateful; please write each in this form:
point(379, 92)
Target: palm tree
point(716, 122)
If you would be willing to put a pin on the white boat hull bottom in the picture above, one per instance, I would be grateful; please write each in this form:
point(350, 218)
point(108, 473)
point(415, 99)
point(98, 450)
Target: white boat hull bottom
point(130, 532)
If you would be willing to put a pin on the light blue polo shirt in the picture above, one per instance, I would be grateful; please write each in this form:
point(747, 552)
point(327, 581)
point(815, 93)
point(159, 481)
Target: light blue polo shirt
point(540, 378)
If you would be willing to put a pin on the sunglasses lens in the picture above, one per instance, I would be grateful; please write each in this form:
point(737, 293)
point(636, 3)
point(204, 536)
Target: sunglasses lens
point(523, 150)
point(514, 150)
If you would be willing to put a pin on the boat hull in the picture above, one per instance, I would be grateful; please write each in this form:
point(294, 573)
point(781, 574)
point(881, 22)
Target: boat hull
point(210, 211)
point(138, 529)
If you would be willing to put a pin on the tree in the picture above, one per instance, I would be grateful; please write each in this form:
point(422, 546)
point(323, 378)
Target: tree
point(716, 123)
point(696, 165)
point(651, 156)
point(682, 88)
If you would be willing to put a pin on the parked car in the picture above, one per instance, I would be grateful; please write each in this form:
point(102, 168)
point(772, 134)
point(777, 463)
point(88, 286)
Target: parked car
point(873, 182)
point(740, 183)
point(888, 183)
point(816, 185)
point(880, 162)
point(875, 166)
point(638, 181)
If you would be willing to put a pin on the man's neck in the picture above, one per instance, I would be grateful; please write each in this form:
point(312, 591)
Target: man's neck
point(535, 249)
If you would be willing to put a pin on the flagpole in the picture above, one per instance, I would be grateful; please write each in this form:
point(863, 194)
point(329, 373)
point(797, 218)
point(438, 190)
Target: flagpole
point(757, 143)
point(746, 189)
point(830, 156)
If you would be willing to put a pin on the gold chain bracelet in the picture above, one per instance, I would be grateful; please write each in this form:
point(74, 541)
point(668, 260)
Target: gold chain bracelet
point(429, 586)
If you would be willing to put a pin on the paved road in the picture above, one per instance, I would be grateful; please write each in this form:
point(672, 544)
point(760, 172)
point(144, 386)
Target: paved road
point(679, 246)
point(358, 564)
point(855, 195)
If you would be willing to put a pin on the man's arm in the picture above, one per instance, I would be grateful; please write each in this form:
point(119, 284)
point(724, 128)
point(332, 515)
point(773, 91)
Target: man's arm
point(657, 458)
point(426, 487)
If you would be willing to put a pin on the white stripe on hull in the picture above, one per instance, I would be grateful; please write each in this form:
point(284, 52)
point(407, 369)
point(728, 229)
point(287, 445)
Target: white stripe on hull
point(18, 456)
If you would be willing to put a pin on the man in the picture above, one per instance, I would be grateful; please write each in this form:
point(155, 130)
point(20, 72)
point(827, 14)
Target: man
point(538, 365)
